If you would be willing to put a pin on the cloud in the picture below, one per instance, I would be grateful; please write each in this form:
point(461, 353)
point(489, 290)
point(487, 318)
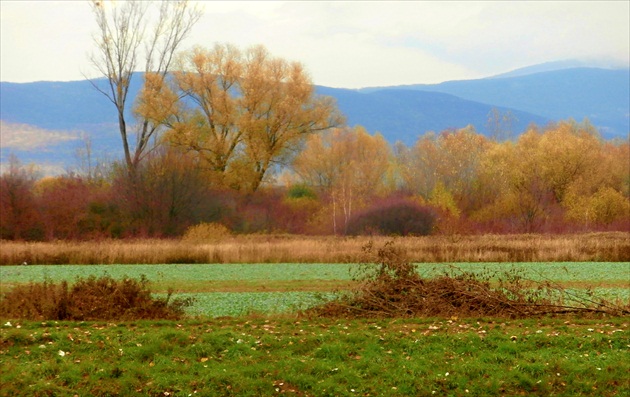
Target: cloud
point(354, 44)
point(346, 44)
point(27, 137)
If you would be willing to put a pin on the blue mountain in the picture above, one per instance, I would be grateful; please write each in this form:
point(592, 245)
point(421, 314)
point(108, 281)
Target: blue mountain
point(601, 95)
point(399, 113)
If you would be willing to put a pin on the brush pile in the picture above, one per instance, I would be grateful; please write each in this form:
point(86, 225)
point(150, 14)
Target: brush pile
point(92, 298)
point(389, 285)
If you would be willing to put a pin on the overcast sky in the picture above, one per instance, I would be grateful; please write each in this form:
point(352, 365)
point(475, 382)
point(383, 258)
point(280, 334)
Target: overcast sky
point(345, 44)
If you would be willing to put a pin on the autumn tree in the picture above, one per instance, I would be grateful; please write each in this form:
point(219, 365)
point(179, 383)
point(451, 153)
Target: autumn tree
point(129, 34)
point(19, 217)
point(569, 153)
point(415, 165)
point(64, 203)
point(617, 160)
point(600, 196)
point(243, 113)
point(449, 161)
point(546, 172)
point(348, 165)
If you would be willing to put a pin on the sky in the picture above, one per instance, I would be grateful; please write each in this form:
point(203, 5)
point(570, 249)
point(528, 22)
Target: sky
point(346, 44)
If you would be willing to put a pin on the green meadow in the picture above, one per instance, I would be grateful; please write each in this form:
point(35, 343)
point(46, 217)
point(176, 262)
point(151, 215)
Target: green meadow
point(286, 355)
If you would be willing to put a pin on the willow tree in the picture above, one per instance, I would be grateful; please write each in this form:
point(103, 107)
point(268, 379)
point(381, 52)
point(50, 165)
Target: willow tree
point(451, 158)
point(243, 113)
point(349, 166)
point(132, 36)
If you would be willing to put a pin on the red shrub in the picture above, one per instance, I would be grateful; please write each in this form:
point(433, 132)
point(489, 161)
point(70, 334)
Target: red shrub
point(400, 217)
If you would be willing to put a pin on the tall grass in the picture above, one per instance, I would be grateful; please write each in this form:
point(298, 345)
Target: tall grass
point(604, 247)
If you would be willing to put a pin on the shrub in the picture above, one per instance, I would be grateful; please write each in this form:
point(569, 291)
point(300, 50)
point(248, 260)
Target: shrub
point(401, 218)
point(301, 191)
point(64, 205)
point(206, 232)
point(88, 299)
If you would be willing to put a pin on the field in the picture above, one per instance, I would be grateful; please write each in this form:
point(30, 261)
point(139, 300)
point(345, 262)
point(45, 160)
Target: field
point(236, 289)
point(586, 247)
point(318, 357)
point(245, 335)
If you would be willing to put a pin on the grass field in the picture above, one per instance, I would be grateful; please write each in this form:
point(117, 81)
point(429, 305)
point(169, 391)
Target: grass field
point(269, 356)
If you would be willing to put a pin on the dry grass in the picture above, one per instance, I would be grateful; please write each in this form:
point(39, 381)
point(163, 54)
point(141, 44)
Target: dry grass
point(598, 247)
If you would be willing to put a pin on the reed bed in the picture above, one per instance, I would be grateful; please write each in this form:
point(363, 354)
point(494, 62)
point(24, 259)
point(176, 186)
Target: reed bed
point(597, 247)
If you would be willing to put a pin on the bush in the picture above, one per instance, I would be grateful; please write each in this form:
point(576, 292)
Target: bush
point(400, 218)
point(88, 299)
point(301, 191)
point(206, 232)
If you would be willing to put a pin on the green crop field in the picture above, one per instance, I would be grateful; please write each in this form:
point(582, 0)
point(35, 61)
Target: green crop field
point(236, 289)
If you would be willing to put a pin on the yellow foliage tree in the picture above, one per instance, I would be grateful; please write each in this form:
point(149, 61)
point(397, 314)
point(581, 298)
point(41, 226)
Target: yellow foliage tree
point(443, 199)
point(241, 112)
point(348, 165)
point(452, 158)
point(603, 207)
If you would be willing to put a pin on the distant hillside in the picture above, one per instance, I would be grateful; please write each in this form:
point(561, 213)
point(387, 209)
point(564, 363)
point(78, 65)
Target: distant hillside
point(403, 115)
point(601, 95)
point(64, 111)
point(544, 67)
point(74, 107)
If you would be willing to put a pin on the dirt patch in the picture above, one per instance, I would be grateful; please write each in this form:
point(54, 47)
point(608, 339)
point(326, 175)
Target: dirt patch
point(259, 286)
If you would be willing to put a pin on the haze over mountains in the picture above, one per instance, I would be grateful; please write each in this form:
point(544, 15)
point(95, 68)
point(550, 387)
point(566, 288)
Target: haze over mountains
point(43, 122)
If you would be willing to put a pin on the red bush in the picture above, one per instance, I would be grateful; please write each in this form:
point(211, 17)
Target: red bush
point(400, 217)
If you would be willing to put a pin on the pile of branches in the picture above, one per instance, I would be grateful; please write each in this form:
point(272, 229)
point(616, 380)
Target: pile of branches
point(389, 285)
point(92, 298)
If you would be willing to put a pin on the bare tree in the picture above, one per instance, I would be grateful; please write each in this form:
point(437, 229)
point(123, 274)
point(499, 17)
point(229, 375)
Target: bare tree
point(127, 36)
point(500, 124)
point(94, 167)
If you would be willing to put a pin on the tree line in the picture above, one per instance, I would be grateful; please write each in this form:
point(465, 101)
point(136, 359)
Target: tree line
point(560, 178)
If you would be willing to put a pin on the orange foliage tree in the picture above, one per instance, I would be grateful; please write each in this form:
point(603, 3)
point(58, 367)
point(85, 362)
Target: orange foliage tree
point(242, 113)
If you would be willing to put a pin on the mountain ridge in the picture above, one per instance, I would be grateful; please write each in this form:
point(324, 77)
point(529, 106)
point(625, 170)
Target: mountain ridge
point(601, 95)
point(399, 113)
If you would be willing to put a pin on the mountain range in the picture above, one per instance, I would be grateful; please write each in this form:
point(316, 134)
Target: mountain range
point(44, 122)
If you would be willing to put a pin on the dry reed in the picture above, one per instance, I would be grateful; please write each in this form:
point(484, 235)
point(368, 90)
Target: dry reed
point(591, 247)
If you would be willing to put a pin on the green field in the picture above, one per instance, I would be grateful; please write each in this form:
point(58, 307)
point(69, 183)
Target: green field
point(244, 337)
point(273, 356)
point(236, 289)
point(559, 271)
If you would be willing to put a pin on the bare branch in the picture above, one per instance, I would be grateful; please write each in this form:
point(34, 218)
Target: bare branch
point(121, 39)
